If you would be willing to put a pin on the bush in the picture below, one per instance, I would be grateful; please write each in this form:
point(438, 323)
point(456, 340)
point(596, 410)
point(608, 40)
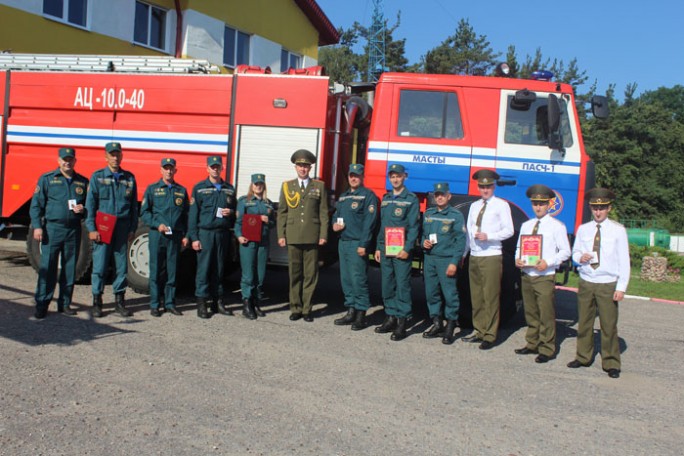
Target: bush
point(637, 253)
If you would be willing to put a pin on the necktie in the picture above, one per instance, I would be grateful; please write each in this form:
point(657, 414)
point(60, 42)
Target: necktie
point(597, 246)
point(536, 228)
point(301, 185)
point(478, 222)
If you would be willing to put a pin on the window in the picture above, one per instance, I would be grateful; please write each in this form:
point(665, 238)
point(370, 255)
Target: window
point(150, 25)
point(529, 126)
point(72, 11)
point(428, 114)
point(289, 60)
point(235, 47)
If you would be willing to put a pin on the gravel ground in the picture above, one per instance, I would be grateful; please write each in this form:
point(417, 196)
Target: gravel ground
point(186, 386)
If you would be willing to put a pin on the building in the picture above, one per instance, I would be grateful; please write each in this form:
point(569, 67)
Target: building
point(279, 34)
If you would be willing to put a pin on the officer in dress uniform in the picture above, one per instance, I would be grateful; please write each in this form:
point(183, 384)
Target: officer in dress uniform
point(254, 254)
point(113, 192)
point(443, 243)
point(165, 211)
point(56, 214)
point(211, 216)
point(602, 251)
point(355, 220)
point(399, 209)
point(489, 223)
point(302, 227)
point(539, 274)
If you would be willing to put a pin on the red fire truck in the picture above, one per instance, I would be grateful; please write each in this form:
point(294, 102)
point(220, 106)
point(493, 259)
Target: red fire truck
point(441, 127)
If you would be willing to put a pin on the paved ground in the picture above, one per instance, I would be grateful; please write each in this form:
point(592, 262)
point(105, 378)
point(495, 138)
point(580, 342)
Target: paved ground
point(185, 386)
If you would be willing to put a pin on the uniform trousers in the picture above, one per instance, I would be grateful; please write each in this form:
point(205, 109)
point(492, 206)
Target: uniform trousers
point(57, 239)
point(436, 279)
point(353, 275)
point(211, 263)
point(590, 297)
point(485, 289)
point(102, 256)
point(303, 267)
point(164, 250)
point(253, 258)
point(396, 286)
point(540, 313)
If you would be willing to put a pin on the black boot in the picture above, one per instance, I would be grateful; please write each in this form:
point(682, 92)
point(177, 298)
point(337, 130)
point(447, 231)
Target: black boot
point(449, 333)
point(120, 305)
point(436, 329)
point(348, 319)
point(97, 306)
point(248, 310)
point(212, 304)
point(257, 309)
point(222, 308)
point(202, 308)
point(360, 322)
point(41, 310)
point(68, 310)
point(400, 332)
point(387, 326)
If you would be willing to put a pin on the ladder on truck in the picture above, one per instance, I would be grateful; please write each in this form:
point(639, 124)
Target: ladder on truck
point(118, 63)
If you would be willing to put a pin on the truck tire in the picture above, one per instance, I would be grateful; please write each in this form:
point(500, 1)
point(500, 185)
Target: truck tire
point(138, 257)
point(83, 262)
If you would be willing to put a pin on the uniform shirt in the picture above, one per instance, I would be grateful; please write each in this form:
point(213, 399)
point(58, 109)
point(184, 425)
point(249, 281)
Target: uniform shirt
point(613, 256)
point(555, 244)
point(400, 211)
point(111, 196)
point(358, 210)
point(205, 201)
point(303, 215)
point(496, 223)
point(51, 199)
point(259, 206)
point(167, 205)
point(449, 226)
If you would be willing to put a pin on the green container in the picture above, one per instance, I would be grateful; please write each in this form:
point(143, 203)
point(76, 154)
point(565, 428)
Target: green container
point(646, 237)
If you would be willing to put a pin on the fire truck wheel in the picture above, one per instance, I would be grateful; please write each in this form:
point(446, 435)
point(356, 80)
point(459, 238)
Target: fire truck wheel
point(139, 261)
point(83, 263)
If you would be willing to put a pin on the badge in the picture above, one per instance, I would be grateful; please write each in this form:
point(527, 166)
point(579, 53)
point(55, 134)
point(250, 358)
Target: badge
point(179, 201)
point(228, 200)
point(192, 201)
point(37, 190)
point(354, 205)
point(128, 192)
point(371, 208)
point(398, 212)
point(445, 228)
point(78, 190)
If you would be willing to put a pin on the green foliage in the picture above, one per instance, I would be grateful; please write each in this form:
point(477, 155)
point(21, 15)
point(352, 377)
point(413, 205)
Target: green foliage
point(637, 253)
point(464, 52)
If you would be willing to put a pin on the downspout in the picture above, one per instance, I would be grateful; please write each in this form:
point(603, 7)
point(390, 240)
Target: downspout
point(179, 29)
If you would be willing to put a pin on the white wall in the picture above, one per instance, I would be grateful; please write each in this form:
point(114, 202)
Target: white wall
point(203, 37)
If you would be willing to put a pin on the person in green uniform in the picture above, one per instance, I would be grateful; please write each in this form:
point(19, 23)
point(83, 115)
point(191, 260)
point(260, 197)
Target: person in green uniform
point(56, 214)
point(355, 219)
point(254, 253)
point(302, 227)
point(113, 192)
point(165, 211)
point(538, 269)
point(211, 216)
point(443, 243)
point(399, 209)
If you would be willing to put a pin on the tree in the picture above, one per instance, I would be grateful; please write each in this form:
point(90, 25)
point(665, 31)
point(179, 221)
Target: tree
point(340, 61)
point(465, 52)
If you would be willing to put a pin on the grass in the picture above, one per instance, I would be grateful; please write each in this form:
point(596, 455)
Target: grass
point(638, 287)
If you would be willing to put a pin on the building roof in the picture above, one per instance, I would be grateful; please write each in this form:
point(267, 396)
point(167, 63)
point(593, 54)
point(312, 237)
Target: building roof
point(327, 33)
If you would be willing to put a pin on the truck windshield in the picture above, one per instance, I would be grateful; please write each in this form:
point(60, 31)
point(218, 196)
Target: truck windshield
point(530, 126)
point(429, 114)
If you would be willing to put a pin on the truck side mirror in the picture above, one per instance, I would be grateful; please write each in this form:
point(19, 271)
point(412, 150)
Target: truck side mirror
point(523, 99)
point(599, 106)
point(553, 121)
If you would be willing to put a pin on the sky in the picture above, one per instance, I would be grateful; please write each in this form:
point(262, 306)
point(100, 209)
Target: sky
point(615, 41)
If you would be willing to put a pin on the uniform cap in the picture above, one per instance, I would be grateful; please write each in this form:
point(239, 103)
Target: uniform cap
point(441, 187)
point(65, 152)
point(303, 157)
point(214, 160)
point(396, 168)
point(599, 196)
point(539, 192)
point(356, 168)
point(113, 147)
point(258, 179)
point(486, 177)
point(168, 161)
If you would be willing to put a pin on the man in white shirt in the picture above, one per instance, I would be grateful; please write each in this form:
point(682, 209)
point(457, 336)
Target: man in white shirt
point(489, 223)
point(602, 250)
point(539, 272)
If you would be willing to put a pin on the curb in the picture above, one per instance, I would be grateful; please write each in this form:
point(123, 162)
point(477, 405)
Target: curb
point(642, 298)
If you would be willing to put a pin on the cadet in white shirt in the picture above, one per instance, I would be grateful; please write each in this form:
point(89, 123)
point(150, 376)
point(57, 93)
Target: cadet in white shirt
point(602, 250)
point(539, 273)
point(489, 223)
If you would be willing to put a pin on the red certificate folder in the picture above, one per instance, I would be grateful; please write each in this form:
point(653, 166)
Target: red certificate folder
point(251, 227)
point(395, 239)
point(105, 224)
point(531, 248)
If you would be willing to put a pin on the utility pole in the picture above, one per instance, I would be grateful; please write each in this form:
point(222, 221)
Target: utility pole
point(376, 43)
